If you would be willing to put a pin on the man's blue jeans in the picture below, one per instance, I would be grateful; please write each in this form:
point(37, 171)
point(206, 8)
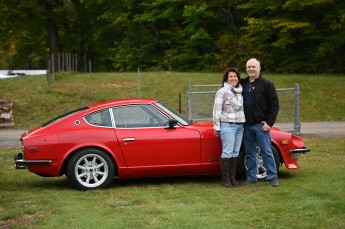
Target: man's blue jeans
point(254, 135)
point(231, 136)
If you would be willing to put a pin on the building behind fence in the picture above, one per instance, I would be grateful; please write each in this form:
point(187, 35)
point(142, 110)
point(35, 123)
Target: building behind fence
point(201, 99)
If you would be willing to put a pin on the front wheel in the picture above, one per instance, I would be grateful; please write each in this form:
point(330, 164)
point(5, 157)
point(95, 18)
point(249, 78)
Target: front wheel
point(261, 173)
point(90, 169)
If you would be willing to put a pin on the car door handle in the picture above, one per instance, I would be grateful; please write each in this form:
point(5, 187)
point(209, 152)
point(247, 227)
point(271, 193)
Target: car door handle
point(128, 139)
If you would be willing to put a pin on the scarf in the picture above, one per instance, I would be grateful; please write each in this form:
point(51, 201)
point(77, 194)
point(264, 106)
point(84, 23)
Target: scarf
point(232, 91)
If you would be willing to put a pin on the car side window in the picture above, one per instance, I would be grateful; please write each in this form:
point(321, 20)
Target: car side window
point(100, 118)
point(138, 116)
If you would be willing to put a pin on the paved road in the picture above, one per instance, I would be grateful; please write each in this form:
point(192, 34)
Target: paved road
point(323, 129)
point(9, 138)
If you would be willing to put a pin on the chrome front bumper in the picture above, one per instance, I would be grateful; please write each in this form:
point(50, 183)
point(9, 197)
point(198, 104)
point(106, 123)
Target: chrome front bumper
point(295, 153)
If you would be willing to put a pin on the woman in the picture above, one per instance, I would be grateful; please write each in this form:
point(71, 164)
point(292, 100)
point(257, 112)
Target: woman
point(228, 119)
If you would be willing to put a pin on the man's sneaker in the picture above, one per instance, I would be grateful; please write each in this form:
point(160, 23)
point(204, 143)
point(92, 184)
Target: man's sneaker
point(275, 182)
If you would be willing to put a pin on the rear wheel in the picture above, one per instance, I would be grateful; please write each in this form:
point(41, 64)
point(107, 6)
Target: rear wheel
point(90, 169)
point(242, 167)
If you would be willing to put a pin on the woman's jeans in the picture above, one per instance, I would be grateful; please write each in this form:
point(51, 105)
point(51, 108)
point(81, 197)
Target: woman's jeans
point(254, 135)
point(231, 136)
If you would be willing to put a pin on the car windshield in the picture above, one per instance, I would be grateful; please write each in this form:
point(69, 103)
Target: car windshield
point(180, 118)
point(64, 115)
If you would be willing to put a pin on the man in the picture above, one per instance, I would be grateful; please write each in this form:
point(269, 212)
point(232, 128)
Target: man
point(261, 106)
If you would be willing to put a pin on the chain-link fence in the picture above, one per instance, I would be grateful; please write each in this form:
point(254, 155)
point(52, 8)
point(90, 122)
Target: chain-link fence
point(201, 99)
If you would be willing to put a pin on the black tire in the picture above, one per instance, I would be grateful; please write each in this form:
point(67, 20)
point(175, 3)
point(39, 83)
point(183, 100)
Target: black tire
point(276, 156)
point(90, 169)
point(241, 172)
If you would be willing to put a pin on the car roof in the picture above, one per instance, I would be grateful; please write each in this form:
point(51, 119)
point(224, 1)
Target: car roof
point(110, 103)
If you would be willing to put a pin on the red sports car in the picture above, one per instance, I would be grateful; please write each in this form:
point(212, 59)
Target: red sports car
point(134, 138)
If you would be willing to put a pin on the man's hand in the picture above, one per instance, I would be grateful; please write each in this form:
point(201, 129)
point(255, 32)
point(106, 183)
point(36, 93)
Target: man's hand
point(265, 127)
point(217, 133)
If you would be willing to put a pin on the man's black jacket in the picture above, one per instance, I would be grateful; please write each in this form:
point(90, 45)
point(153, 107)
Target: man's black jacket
point(265, 99)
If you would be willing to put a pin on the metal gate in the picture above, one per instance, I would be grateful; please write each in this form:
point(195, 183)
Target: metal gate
point(201, 99)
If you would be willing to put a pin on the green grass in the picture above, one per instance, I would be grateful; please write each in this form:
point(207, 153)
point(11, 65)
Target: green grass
point(311, 197)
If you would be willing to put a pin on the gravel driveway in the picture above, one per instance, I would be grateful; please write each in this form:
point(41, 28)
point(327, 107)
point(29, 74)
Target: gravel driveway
point(10, 138)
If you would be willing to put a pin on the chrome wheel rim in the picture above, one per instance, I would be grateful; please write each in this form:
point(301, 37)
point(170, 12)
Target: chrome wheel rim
point(261, 173)
point(91, 170)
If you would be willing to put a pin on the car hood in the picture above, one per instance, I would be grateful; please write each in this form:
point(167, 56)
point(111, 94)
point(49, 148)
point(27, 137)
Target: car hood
point(202, 124)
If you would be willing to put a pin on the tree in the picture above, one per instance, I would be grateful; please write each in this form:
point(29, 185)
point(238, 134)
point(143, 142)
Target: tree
point(290, 35)
point(296, 35)
point(186, 34)
point(22, 39)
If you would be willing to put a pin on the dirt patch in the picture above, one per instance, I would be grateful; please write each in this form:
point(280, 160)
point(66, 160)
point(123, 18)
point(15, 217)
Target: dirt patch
point(27, 221)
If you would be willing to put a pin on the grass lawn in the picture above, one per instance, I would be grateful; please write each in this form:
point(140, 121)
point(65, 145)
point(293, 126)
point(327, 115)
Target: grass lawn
point(311, 197)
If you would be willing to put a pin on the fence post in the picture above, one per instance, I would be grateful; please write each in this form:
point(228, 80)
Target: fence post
point(138, 81)
point(190, 102)
point(297, 121)
point(91, 96)
point(58, 64)
point(53, 67)
point(179, 103)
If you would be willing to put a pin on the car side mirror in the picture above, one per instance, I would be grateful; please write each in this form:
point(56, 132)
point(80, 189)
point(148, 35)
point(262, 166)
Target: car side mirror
point(170, 124)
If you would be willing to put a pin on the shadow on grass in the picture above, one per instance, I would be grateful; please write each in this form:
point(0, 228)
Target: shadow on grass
point(182, 180)
point(62, 183)
point(50, 183)
point(175, 180)
point(286, 174)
